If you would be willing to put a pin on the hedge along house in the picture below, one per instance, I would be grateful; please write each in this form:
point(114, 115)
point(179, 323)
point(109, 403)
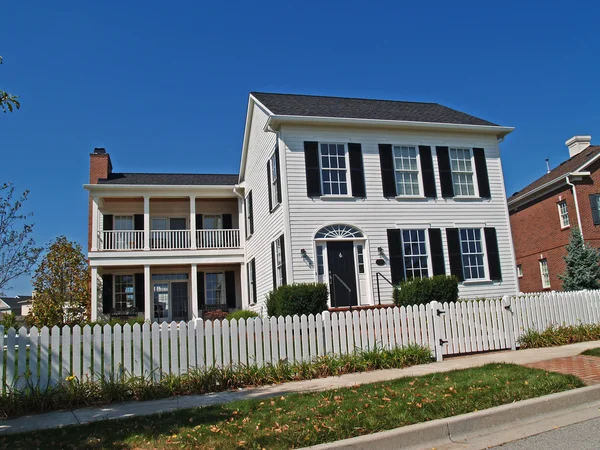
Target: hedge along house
point(358, 194)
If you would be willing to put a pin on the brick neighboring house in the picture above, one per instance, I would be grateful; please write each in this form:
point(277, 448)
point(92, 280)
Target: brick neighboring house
point(543, 213)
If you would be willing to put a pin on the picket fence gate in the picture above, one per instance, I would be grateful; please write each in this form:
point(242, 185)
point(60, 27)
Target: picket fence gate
point(45, 357)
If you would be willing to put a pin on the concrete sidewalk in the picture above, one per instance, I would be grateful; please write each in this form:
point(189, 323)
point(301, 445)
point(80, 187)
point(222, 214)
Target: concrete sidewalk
point(136, 409)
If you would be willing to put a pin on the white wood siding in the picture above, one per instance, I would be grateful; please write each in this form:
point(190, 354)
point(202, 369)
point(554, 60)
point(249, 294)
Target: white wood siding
point(375, 214)
point(267, 226)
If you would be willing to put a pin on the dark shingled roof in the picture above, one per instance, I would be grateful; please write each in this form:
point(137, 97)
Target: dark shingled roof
point(16, 302)
point(563, 169)
point(172, 179)
point(360, 108)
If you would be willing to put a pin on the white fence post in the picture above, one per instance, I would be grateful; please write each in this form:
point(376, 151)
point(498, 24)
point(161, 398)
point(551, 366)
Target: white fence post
point(438, 334)
point(508, 321)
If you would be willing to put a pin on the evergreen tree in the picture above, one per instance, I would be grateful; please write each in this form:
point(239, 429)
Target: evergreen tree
point(582, 265)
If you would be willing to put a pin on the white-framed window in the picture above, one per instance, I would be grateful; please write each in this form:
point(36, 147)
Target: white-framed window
point(124, 292)
point(519, 270)
point(273, 171)
point(123, 223)
point(279, 262)
point(334, 169)
point(215, 288)
point(251, 281)
point(461, 163)
point(563, 214)
point(160, 223)
point(545, 273)
point(406, 165)
point(320, 261)
point(212, 222)
point(471, 247)
point(249, 213)
point(360, 253)
point(416, 262)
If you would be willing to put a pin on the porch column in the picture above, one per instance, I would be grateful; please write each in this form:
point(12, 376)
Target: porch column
point(148, 306)
point(94, 224)
point(94, 299)
point(146, 222)
point(194, 278)
point(193, 221)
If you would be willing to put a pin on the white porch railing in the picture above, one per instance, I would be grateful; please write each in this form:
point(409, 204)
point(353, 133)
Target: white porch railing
point(218, 238)
point(121, 240)
point(170, 239)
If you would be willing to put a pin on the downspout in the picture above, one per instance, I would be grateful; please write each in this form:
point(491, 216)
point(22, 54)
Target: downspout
point(576, 205)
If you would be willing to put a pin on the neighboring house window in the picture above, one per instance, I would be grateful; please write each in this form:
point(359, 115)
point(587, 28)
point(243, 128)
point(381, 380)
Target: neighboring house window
point(249, 215)
point(415, 254)
point(334, 176)
point(471, 247)
point(462, 171)
point(406, 170)
point(124, 292)
point(519, 270)
point(252, 281)
point(361, 258)
point(215, 288)
point(563, 213)
point(274, 181)
point(279, 262)
point(595, 205)
point(545, 273)
point(320, 261)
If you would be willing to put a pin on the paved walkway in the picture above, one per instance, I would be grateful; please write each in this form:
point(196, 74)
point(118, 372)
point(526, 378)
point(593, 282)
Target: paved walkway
point(585, 367)
point(133, 409)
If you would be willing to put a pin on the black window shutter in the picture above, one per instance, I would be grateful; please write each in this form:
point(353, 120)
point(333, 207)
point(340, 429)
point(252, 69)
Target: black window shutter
point(274, 265)
point(107, 222)
point(429, 189)
point(483, 180)
point(140, 302)
point(251, 212)
point(396, 256)
point(227, 222)
point(230, 288)
point(388, 177)
point(277, 161)
point(201, 297)
point(199, 223)
point(107, 293)
point(443, 158)
point(269, 185)
point(493, 254)
point(313, 173)
point(437, 251)
point(138, 222)
point(594, 205)
point(357, 171)
point(454, 253)
point(283, 274)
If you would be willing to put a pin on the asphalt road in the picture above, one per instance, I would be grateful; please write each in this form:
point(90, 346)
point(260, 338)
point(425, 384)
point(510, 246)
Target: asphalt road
point(580, 436)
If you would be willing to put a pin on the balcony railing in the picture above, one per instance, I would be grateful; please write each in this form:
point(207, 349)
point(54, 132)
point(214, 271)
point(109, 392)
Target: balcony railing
point(123, 240)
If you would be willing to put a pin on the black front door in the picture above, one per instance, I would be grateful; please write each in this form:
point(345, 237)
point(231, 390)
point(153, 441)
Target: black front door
point(342, 274)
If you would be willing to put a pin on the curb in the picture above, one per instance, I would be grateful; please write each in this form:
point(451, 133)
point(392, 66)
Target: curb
point(456, 428)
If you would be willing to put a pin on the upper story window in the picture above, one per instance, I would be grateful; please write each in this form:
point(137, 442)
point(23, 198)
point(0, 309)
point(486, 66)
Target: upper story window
point(274, 181)
point(213, 221)
point(415, 254)
point(334, 172)
point(563, 214)
point(545, 273)
point(462, 171)
point(249, 215)
point(471, 246)
point(406, 170)
point(124, 223)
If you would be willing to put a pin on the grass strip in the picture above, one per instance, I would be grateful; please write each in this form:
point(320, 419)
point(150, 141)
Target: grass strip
point(592, 352)
point(299, 420)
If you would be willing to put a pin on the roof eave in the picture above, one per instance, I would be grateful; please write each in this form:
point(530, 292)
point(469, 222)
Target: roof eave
point(252, 100)
point(158, 187)
point(500, 131)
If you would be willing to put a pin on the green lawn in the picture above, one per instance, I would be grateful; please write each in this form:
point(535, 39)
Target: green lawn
point(300, 420)
point(592, 352)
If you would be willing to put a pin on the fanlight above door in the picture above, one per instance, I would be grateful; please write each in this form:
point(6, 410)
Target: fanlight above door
point(339, 232)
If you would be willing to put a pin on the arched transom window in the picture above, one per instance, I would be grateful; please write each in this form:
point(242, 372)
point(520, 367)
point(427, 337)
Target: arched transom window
point(339, 232)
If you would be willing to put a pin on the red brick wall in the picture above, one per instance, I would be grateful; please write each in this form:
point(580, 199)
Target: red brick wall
point(100, 167)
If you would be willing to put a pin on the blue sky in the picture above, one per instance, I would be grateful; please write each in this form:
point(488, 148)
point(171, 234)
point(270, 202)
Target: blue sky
point(163, 86)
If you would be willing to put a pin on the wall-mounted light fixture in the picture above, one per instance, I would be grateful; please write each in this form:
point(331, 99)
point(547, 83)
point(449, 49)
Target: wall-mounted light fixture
point(380, 250)
point(303, 252)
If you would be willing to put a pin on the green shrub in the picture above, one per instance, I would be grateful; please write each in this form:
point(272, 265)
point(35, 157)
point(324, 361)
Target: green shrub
point(9, 320)
point(420, 291)
point(298, 298)
point(242, 314)
point(560, 335)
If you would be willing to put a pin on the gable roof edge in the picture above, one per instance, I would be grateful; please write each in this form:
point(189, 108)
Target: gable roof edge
point(252, 100)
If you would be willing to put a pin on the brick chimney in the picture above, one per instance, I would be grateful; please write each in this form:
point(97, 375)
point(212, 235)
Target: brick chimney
point(577, 144)
point(100, 167)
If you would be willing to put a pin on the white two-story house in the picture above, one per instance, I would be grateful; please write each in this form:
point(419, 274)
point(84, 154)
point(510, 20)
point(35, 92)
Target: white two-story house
point(359, 194)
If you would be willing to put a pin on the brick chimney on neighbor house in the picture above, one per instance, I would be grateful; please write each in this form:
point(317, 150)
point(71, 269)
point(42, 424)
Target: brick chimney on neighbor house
point(577, 144)
point(100, 167)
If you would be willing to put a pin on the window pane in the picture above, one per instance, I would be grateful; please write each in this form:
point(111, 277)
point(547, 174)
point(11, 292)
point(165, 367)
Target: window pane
point(415, 254)
point(406, 170)
point(472, 253)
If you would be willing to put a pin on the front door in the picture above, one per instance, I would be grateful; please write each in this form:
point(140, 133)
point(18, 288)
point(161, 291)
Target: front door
point(342, 273)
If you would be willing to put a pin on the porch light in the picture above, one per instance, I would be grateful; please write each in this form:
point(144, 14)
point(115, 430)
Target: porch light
point(303, 252)
point(380, 250)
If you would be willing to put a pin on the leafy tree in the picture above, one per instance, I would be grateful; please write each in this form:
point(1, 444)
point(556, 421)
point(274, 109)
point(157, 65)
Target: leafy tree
point(583, 269)
point(8, 102)
point(9, 320)
point(18, 253)
point(62, 285)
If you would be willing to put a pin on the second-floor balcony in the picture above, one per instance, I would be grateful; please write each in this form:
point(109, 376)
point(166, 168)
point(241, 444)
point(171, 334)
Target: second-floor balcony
point(127, 240)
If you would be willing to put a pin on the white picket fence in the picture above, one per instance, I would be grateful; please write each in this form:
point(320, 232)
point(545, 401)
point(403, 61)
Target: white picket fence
point(47, 356)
